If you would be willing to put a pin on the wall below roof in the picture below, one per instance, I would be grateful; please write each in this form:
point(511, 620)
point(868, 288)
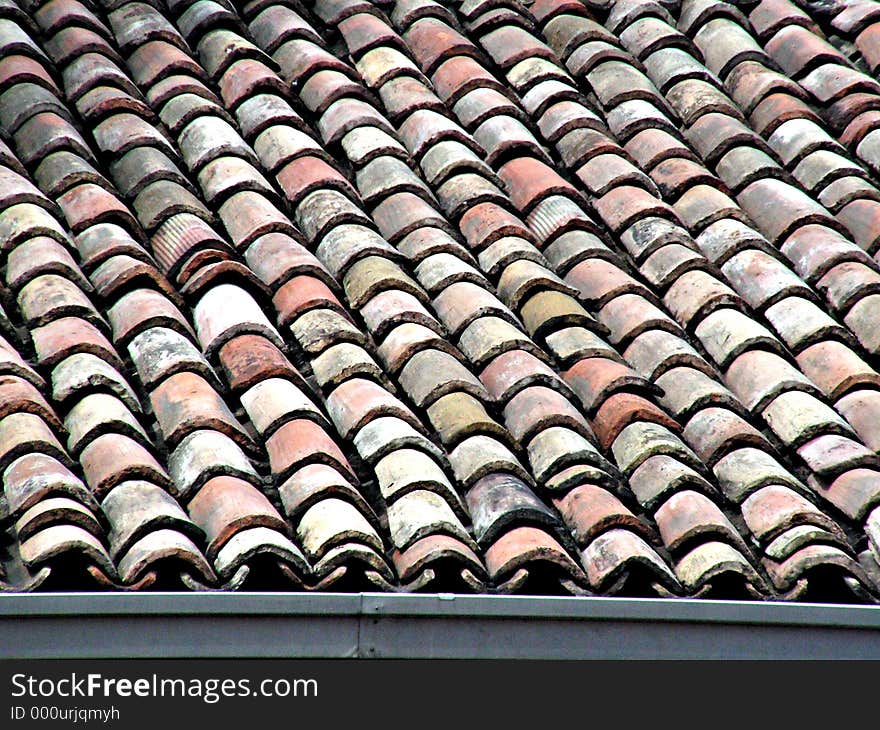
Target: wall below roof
point(80, 625)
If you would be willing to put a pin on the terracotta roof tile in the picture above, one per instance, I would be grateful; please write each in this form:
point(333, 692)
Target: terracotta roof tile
point(416, 335)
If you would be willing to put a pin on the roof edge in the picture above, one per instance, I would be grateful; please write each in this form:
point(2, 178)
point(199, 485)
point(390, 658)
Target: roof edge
point(345, 625)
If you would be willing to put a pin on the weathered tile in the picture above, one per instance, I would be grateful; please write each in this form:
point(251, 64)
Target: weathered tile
point(796, 417)
point(186, 402)
point(114, 458)
point(402, 471)
point(204, 454)
point(33, 477)
point(614, 555)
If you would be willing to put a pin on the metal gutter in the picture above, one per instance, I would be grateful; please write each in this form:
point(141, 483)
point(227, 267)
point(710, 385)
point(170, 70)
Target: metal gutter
point(340, 625)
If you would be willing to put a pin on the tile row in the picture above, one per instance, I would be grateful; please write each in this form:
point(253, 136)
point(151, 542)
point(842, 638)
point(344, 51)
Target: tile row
point(203, 436)
point(457, 301)
point(612, 209)
point(633, 552)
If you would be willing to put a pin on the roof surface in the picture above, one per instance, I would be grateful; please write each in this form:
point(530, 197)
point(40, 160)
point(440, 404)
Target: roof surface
point(559, 298)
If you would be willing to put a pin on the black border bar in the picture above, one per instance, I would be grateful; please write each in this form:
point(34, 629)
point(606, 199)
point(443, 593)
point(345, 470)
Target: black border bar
point(427, 626)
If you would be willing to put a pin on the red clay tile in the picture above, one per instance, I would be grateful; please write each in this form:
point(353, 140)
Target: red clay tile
point(861, 319)
point(627, 13)
point(798, 50)
point(482, 103)
point(697, 293)
point(202, 455)
point(24, 100)
point(508, 45)
point(830, 455)
point(591, 510)
point(220, 48)
point(457, 416)
point(248, 359)
point(866, 42)
point(692, 98)
point(405, 340)
point(245, 78)
point(141, 309)
point(758, 376)
point(301, 293)
point(528, 181)
point(434, 551)
point(458, 78)
point(186, 401)
point(600, 281)
point(112, 458)
point(58, 14)
point(688, 389)
point(648, 35)
point(769, 16)
point(855, 17)
point(794, 139)
point(65, 336)
point(675, 175)
point(629, 315)
point(357, 401)
point(432, 41)
point(528, 548)
point(301, 442)
point(715, 432)
point(51, 296)
point(498, 502)
point(485, 223)
point(669, 262)
point(797, 417)
point(831, 81)
point(620, 409)
point(226, 176)
point(325, 87)
point(15, 68)
point(276, 24)
point(836, 369)
point(588, 55)
point(225, 505)
point(41, 255)
point(391, 307)
point(854, 492)
point(274, 401)
point(364, 31)
point(594, 380)
point(487, 337)
point(545, 11)
point(847, 283)
point(386, 176)
point(159, 352)
point(439, 269)
point(861, 218)
point(775, 109)
point(248, 215)
point(715, 561)
point(343, 248)
point(852, 116)
point(689, 517)
point(36, 477)
point(261, 111)
point(726, 333)
point(615, 82)
point(619, 556)
point(815, 250)
point(845, 190)
point(510, 372)
point(315, 482)
point(774, 509)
